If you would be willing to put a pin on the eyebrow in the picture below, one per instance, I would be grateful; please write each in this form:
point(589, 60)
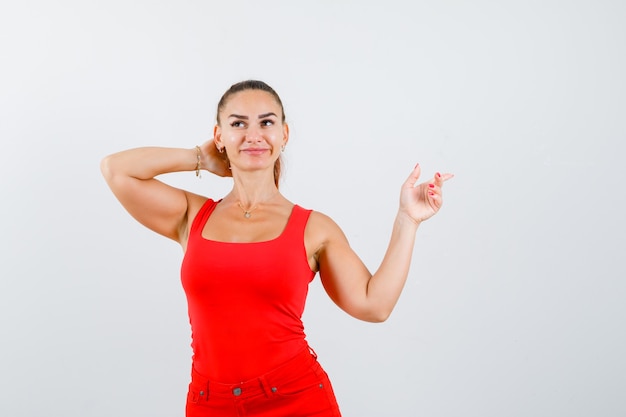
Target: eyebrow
point(261, 116)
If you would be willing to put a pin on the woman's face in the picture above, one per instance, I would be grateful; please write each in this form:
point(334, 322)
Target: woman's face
point(251, 130)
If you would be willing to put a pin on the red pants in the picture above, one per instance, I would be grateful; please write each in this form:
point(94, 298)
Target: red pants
point(298, 388)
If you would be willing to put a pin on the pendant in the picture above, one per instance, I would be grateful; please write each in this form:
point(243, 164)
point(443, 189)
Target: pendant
point(247, 214)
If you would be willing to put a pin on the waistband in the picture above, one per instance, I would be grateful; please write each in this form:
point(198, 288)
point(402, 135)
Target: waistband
point(265, 384)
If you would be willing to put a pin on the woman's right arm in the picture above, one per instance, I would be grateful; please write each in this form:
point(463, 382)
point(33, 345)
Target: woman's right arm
point(162, 208)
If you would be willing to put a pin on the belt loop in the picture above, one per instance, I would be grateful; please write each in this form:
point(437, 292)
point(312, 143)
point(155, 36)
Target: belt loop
point(267, 389)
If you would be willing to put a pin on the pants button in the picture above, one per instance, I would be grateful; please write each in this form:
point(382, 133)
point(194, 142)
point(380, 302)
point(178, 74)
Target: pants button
point(237, 392)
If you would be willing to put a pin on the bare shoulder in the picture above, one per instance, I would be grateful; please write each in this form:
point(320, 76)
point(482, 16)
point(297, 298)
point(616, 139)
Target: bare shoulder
point(194, 204)
point(321, 229)
point(320, 221)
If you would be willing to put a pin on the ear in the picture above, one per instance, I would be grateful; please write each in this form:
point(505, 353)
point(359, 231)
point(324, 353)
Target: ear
point(285, 134)
point(217, 136)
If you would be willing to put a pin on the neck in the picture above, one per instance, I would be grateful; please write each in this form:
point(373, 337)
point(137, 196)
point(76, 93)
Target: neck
point(251, 190)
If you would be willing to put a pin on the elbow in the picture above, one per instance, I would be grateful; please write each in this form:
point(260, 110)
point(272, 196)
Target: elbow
point(376, 316)
point(110, 168)
point(106, 168)
point(372, 312)
point(380, 317)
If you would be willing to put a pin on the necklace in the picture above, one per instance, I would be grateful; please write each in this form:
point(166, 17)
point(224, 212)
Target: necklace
point(246, 213)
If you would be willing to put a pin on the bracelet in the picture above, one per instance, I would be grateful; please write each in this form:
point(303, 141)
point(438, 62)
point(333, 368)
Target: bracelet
point(198, 154)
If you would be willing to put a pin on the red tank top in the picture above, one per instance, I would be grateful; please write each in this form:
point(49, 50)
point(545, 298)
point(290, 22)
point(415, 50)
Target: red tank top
point(245, 300)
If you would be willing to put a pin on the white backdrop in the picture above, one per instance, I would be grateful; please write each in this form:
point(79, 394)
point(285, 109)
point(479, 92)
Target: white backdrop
point(515, 301)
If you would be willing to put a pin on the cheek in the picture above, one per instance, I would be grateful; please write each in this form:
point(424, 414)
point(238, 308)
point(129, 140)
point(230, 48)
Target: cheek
point(277, 135)
point(231, 136)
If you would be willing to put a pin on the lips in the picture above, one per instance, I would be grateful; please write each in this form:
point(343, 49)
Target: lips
point(255, 151)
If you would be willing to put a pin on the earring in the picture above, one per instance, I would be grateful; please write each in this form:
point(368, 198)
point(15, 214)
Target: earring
point(282, 149)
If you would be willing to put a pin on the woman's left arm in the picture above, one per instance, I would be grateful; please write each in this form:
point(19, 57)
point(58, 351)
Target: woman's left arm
point(344, 276)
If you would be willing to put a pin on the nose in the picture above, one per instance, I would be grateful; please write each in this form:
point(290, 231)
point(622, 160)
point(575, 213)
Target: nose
point(253, 134)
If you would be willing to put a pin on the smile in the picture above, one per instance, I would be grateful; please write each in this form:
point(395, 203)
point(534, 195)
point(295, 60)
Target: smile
point(255, 151)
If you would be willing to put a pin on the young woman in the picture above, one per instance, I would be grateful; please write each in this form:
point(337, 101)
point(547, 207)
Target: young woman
point(250, 256)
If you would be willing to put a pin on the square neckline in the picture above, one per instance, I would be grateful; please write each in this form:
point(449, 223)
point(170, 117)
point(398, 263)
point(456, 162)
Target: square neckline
point(221, 242)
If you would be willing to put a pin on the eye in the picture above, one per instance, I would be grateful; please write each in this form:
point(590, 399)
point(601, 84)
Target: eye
point(237, 123)
point(267, 122)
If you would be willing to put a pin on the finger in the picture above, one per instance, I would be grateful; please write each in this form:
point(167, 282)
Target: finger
point(434, 199)
point(433, 188)
point(440, 178)
point(413, 177)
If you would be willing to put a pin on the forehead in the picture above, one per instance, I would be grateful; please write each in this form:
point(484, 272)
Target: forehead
point(252, 101)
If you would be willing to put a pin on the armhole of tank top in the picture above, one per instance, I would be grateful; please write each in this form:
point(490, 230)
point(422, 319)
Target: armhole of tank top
point(306, 214)
point(202, 215)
